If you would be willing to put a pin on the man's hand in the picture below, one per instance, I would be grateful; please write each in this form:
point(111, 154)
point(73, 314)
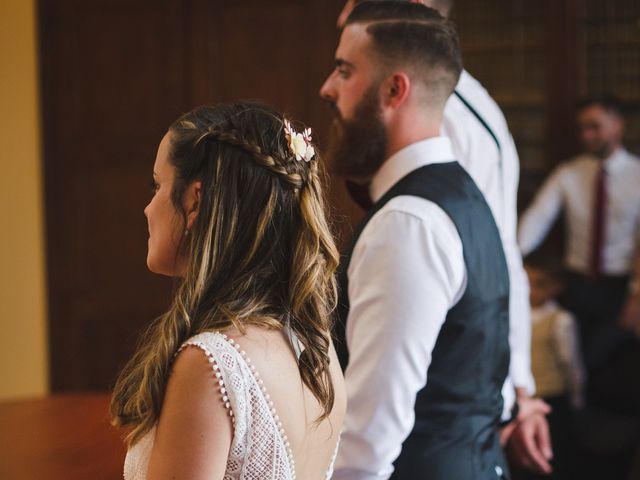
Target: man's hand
point(527, 438)
point(529, 406)
point(630, 318)
point(529, 445)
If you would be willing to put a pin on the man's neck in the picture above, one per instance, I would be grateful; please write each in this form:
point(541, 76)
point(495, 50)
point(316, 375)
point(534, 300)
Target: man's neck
point(395, 144)
point(403, 138)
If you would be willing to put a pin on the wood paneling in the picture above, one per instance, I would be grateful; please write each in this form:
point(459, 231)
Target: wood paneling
point(115, 74)
point(611, 45)
point(505, 47)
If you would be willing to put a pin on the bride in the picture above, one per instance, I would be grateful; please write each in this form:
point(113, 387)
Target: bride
point(239, 378)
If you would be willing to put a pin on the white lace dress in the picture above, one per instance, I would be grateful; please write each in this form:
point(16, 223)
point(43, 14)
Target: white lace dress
point(259, 448)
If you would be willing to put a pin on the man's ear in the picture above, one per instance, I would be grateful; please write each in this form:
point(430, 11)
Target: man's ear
point(192, 202)
point(395, 90)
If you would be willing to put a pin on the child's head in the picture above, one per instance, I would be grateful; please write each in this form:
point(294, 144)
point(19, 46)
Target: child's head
point(545, 277)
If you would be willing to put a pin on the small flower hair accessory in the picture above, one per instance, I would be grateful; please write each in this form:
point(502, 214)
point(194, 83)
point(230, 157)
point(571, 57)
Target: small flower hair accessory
point(299, 143)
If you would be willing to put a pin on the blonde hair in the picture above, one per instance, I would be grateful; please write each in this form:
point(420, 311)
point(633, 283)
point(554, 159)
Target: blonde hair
point(259, 253)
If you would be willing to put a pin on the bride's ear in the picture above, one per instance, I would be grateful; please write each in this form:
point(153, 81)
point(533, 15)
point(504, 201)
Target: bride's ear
point(192, 202)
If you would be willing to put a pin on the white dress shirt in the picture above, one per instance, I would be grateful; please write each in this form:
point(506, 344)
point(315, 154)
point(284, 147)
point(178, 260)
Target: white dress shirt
point(566, 344)
point(496, 174)
point(407, 270)
point(572, 187)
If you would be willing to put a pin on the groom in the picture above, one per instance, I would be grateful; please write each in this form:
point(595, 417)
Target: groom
point(426, 291)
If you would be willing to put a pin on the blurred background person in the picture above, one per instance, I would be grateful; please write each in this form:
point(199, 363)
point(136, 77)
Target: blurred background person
point(555, 360)
point(598, 193)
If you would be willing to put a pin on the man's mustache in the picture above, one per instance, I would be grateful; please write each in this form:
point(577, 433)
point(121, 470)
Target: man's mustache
point(334, 110)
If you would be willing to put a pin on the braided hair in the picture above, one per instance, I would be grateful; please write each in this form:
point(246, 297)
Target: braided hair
point(263, 159)
point(260, 252)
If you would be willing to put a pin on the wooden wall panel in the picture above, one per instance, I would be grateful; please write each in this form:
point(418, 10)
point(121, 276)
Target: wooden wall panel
point(111, 81)
point(611, 45)
point(115, 74)
point(505, 48)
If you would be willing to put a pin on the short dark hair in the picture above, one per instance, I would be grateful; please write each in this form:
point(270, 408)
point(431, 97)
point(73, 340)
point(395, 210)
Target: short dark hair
point(392, 10)
point(605, 100)
point(442, 6)
point(545, 261)
point(414, 36)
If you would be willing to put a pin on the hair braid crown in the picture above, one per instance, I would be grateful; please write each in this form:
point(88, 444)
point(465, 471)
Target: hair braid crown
point(265, 160)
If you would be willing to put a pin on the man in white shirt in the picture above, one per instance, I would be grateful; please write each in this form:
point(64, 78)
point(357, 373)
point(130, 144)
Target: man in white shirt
point(600, 196)
point(598, 192)
point(484, 146)
point(415, 271)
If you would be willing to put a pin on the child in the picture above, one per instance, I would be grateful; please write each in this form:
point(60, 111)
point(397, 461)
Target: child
point(555, 358)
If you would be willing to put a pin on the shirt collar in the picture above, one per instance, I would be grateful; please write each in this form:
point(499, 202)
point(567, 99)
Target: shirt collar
point(464, 79)
point(613, 161)
point(616, 159)
point(544, 310)
point(408, 159)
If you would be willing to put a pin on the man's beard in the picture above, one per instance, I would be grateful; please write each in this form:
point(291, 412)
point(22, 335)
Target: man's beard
point(601, 150)
point(357, 147)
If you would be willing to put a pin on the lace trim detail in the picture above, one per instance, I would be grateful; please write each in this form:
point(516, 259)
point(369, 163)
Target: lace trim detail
point(216, 373)
point(136, 463)
point(259, 448)
point(333, 459)
point(267, 397)
point(237, 454)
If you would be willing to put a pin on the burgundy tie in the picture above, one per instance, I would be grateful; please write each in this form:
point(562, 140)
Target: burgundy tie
point(359, 194)
point(599, 220)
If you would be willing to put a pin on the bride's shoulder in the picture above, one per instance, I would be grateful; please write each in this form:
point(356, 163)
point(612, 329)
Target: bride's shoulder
point(195, 429)
point(264, 346)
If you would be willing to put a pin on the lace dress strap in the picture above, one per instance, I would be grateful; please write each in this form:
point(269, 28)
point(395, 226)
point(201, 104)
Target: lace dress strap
point(333, 460)
point(259, 443)
point(223, 362)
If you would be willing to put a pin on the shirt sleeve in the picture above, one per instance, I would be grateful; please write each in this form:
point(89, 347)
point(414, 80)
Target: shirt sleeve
point(497, 170)
point(636, 239)
point(567, 347)
point(539, 217)
point(405, 274)
point(519, 308)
